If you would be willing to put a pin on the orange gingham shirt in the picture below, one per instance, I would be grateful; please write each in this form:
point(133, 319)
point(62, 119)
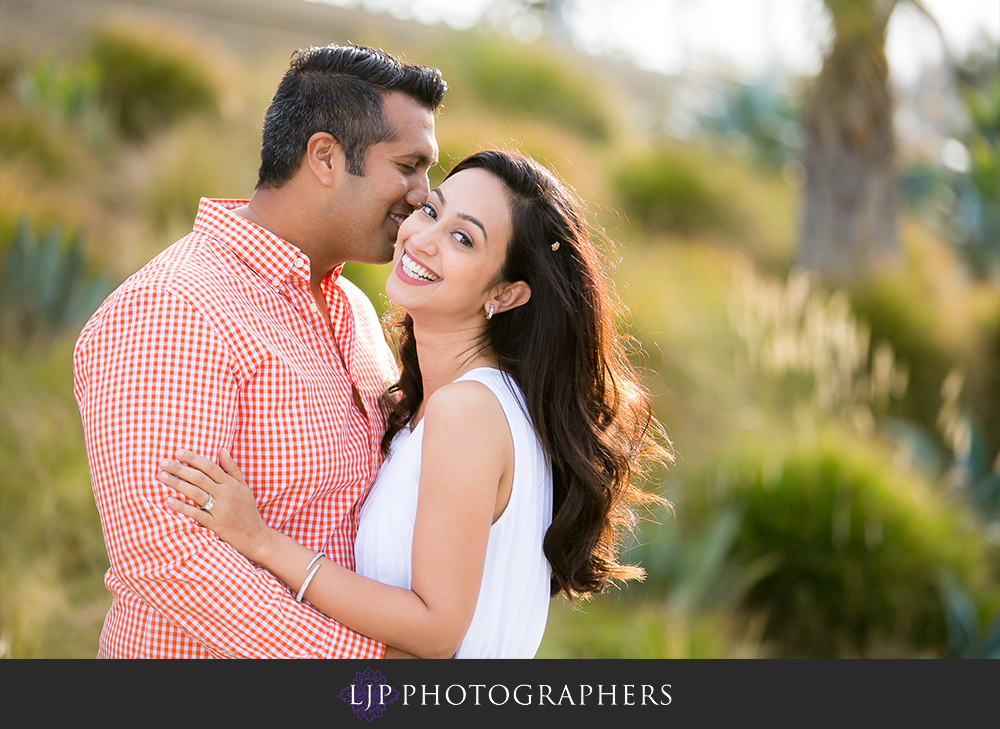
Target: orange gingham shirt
point(218, 342)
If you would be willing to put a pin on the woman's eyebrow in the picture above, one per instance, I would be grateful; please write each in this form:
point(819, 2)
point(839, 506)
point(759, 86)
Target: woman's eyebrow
point(463, 216)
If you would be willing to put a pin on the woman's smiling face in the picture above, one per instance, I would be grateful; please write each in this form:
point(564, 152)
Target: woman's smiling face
point(449, 251)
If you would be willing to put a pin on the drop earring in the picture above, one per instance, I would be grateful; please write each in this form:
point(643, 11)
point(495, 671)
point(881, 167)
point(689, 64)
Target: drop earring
point(489, 314)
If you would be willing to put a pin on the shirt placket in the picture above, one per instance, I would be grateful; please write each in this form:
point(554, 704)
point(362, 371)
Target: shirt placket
point(337, 341)
point(300, 296)
point(343, 323)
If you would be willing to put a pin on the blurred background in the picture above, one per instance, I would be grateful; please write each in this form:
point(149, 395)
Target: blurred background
point(804, 199)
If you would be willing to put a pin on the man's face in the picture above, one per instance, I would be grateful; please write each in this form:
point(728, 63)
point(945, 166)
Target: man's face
point(395, 181)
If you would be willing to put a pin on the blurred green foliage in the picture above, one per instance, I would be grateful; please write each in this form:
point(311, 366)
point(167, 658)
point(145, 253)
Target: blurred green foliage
point(847, 544)
point(979, 207)
point(615, 627)
point(758, 122)
point(665, 189)
point(969, 636)
point(962, 198)
point(922, 336)
point(146, 84)
point(916, 332)
point(70, 92)
point(29, 135)
point(695, 572)
point(46, 289)
point(56, 111)
point(522, 80)
point(53, 557)
point(859, 547)
point(807, 350)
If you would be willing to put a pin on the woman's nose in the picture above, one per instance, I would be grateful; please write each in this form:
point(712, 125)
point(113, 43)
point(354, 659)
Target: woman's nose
point(424, 239)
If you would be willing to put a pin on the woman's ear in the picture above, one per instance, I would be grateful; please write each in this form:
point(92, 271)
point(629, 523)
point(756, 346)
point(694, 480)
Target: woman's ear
point(510, 296)
point(325, 158)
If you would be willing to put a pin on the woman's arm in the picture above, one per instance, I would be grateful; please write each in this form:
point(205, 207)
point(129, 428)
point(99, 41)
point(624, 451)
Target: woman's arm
point(467, 453)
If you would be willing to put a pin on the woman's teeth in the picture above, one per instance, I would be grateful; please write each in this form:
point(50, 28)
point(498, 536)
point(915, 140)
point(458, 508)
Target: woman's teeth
point(414, 270)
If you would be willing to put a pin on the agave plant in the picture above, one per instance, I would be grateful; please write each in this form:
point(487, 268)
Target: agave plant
point(968, 635)
point(46, 289)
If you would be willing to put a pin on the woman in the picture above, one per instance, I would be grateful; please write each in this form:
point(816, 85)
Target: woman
point(517, 419)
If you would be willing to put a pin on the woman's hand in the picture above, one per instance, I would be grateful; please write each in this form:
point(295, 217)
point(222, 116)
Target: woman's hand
point(231, 510)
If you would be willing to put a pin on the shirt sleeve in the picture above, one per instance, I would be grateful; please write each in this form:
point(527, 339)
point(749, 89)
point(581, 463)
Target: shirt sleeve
point(152, 376)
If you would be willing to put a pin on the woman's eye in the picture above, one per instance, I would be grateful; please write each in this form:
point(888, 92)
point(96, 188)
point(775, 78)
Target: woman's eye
point(429, 210)
point(463, 239)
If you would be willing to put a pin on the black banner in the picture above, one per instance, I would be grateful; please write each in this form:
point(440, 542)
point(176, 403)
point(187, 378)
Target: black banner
point(584, 693)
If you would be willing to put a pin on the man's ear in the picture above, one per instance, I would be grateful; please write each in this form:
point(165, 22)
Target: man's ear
point(510, 296)
point(325, 158)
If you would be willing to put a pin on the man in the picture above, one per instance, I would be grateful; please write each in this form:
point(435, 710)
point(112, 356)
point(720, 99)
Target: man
point(243, 335)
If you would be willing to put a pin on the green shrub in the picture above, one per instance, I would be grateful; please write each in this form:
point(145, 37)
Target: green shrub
point(889, 309)
point(29, 136)
point(70, 91)
point(146, 84)
point(614, 628)
point(968, 635)
point(984, 380)
point(46, 289)
point(975, 222)
point(804, 344)
point(53, 556)
point(518, 79)
point(919, 333)
point(55, 119)
point(760, 118)
point(696, 572)
point(10, 69)
point(666, 190)
point(860, 549)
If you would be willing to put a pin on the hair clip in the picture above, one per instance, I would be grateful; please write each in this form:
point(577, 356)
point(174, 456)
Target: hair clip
point(555, 246)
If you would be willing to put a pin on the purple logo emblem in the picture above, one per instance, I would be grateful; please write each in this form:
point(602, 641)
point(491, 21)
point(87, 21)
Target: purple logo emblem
point(369, 694)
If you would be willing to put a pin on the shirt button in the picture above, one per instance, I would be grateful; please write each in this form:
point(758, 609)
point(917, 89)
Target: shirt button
point(276, 282)
point(313, 308)
point(299, 262)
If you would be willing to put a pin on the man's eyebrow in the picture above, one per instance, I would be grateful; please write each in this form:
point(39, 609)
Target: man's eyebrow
point(463, 216)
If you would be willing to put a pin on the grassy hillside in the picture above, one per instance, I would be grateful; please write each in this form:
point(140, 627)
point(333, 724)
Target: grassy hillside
point(837, 448)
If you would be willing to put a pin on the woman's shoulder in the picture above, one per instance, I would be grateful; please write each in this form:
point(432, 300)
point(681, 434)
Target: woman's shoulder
point(465, 427)
point(463, 400)
point(482, 399)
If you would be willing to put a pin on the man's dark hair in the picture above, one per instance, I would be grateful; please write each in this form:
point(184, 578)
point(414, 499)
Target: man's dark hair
point(339, 90)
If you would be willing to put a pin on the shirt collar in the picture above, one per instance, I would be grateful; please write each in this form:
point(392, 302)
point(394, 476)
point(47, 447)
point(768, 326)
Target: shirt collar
point(272, 257)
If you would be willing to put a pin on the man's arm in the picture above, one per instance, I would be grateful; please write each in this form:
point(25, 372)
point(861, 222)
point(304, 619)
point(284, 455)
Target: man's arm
point(152, 376)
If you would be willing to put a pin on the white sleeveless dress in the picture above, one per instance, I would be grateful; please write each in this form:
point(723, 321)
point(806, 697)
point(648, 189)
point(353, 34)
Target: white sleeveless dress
point(513, 599)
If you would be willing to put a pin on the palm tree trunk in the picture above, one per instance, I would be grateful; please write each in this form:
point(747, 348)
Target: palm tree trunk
point(849, 218)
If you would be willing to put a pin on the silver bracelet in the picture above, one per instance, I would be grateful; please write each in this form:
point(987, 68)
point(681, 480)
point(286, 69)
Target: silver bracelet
point(298, 598)
point(314, 560)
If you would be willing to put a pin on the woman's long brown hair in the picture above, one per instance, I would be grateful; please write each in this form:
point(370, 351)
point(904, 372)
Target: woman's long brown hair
point(563, 348)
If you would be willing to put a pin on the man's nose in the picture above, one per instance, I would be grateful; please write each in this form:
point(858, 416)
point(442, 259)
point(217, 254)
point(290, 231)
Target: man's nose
point(419, 190)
